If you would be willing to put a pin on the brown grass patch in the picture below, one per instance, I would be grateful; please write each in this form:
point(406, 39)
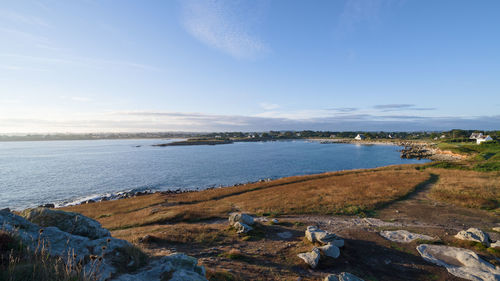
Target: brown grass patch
point(467, 188)
point(350, 192)
point(180, 233)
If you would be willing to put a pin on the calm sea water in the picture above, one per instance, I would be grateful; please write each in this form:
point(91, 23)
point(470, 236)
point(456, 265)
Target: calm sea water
point(34, 173)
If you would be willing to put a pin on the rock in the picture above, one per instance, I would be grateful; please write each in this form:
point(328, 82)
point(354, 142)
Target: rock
point(146, 238)
point(241, 217)
point(497, 228)
point(403, 236)
point(315, 234)
point(285, 235)
point(66, 221)
point(174, 267)
point(474, 234)
point(275, 221)
point(331, 277)
point(344, 276)
point(242, 227)
point(117, 255)
point(495, 245)
point(460, 262)
point(311, 258)
point(48, 205)
point(338, 242)
point(330, 251)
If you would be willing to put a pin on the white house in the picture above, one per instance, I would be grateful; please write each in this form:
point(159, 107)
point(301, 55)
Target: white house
point(360, 137)
point(483, 139)
point(476, 136)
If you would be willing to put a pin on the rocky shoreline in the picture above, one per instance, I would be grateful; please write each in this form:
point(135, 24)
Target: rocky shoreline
point(191, 142)
point(411, 149)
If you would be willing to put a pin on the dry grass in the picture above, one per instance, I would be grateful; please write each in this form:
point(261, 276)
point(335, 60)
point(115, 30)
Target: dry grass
point(180, 233)
point(18, 262)
point(348, 192)
point(468, 188)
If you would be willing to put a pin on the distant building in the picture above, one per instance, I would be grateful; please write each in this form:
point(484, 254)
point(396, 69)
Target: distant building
point(332, 136)
point(389, 136)
point(483, 139)
point(360, 137)
point(476, 136)
point(442, 136)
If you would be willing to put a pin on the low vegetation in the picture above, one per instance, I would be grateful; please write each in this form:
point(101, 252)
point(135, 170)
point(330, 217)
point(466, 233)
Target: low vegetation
point(468, 188)
point(18, 262)
point(351, 192)
point(483, 158)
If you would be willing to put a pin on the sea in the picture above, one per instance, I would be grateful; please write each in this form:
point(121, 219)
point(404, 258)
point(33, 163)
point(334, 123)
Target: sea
point(34, 173)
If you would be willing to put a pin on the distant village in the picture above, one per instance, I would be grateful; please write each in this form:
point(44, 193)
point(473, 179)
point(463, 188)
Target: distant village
point(450, 136)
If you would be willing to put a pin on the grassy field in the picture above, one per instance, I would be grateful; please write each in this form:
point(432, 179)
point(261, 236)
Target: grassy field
point(467, 188)
point(351, 192)
point(484, 157)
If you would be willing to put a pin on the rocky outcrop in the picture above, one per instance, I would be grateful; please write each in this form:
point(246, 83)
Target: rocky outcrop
point(311, 258)
point(101, 254)
point(241, 222)
point(474, 234)
point(69, 222)
point(242, 227)
point(330, 250)
point(330, 241)
point(316, 235)
point(242, 218)
point(495, 245)
point(344, 276)
point(175, 267)
point(462, 263)
point(417, 151)
point(403, 236)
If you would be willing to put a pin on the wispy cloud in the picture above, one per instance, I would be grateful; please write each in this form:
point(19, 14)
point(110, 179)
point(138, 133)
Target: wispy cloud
point(358, 12)
point(140, 121)
point(268, 106)
point(399, 107)
point(343, 109)
point(19, 34)
point(76, 99)
point(224, 25)
point(78, 61)
point(22, 18)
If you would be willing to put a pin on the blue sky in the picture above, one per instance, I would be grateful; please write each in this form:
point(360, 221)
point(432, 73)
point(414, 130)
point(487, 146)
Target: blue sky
point(117, 65)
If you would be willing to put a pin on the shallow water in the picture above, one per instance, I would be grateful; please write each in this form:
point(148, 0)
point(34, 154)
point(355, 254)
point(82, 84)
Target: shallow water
point(34, 173)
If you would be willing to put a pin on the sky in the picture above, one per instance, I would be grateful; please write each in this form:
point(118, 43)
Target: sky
point(143, 66)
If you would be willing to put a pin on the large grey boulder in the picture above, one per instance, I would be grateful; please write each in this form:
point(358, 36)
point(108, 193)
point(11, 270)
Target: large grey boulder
point(460, 262)
point(474, 234)
point(330, 250)
point(242, 218)
point(495, 245)
point(344, 276)
point(242, 227)
point(403, 236)
point(311, 258)
point(113, 255)
point(315, 234)
point(69, 222)
point(175, 267)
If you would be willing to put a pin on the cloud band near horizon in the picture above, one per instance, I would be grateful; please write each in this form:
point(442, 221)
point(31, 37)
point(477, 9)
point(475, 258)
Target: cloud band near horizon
point(140, 121)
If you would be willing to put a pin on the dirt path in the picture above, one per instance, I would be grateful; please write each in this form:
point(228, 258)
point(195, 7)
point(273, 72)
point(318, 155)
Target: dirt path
point(269, 255)
point(420, 209)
